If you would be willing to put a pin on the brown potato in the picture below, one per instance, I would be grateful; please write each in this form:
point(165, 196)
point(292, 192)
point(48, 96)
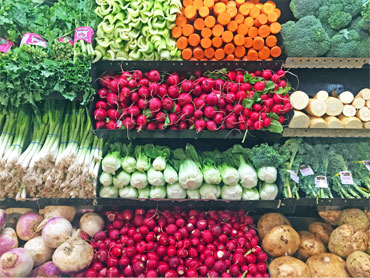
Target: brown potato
point(310, 245)
point(330, 216)
point(322, 230)
point(358, 264)
point(344, 240)
point(287, 267)
point(367, 212)
point(354, 217)
point(281, 240)
point(270, 220)
point(327, 265)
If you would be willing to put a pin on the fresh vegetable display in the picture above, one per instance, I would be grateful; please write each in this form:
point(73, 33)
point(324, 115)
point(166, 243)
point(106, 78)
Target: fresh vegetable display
point(136, 30)
point(211, 101)
point(333, 28)
point(48, 154)
point(228, 30)
point(345, 110)
point(157, 172)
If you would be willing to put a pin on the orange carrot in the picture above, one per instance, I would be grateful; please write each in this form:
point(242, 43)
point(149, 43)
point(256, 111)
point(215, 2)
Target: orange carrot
point(239, 18)
point(206, 33)
point(245, 58)
point(268, 7)
point(264, 31)
point(260, 20)
point(259, 6)
point(209, 52)
point(206, 43)
point(213, 59)
point(253, 32)
point(232, 11)
point(227, 36)
point(204, 11)
point(223, 18)
point(186, 3)
point(239, 2)
point(271, 41)
point(230, 4)
point(264, 53)
point(248, 43)
point(190, 12)
point(232, 26)
point(252, 55)
point(250, 4)
point(229, 48)
point(230, 57)
point(275, 27)
point(275, 51)
point(198, 53)
point(181, 20)
point(198, 4)
point(210, 21)
point(244, 9)
point(254, 12)
point(182, 43)
point(239, 51)
point(258, 43)
point(176, 32)
point(219, 54)
point(183, 10)
point(194, 39)
point(193, 59)
point(208, 3)
point(217, 30)
point(219, 8)
point(242, 29)
point(278, 12)
point(199, 24)
point(187, 30)
point(249, 22)
point(272, 17)
point(239, 40)
point(186, 53)
point(217, 42)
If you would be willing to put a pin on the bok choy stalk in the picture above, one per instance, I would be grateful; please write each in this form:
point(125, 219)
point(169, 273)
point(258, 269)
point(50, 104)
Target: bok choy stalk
point(250, 194)
point(155, 177)
point(128, 192)
point(176, 191)
point(248, 175)
point(229, 175)
point(121, 179)
point(128, 162)
point(231, 192)
point(268, 191)
point(193, 194)
point(157, 192)
point(142, 160)
point(210, 191)
point(138, 180)
point(108, 192)
point(210, 171)
point(170, 175)
point(112, 161)
point(159, 154)
point(190, 175)
point(143, 192)
point(106, 179)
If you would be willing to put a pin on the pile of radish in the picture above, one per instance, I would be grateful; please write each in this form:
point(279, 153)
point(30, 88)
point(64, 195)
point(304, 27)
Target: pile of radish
point(177, 243)
point(211, 101)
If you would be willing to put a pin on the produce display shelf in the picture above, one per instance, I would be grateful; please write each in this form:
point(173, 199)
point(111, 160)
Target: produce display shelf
point(332, 132)
point(326, 62)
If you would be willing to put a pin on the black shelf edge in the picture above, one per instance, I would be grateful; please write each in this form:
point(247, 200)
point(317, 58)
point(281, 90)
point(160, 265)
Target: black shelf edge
point(327, 132)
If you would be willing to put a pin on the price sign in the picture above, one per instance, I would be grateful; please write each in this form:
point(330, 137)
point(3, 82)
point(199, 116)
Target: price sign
point(346, 177)
point(293, 176)
point(321, 182)
point(306, 170)
point(367, 164)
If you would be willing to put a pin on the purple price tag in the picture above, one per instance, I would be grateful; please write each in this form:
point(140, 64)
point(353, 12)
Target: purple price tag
point(33, 39)
point(5, 45)
point(84, 33)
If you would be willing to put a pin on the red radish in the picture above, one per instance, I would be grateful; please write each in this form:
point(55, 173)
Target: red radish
point(128, 123)
point(111, 125)
point(162, 91)
point(197, 90)
point(153, 88)
point(234, 88)
point(173, 119)
point(100, 124)
point(142, 104)
point(128, 271)
point(282, 83)
point(211, 125)
point(238, 108)
point(231, 75)
point(184, 98)
point(100, 114)
point(134, 111)
point(191, 273)
point(254, 116)
point(221, 103)
point(240, 95)
point(259, 86)
point(160, 117)
point(275, 78)
point(258, 125)
point(198, 114)
point(261, 267)
point(144, 92)
point(230, 121)
point(281, 119)
point(239, 78)
point(257, 107)
point(209, 112)
point(113, 86)
point(132, 84)
point(188, 110)
point(155, 105)
point(122, 82)
point(103, 93)
point(229, 108)
point(135, 97)
point(258, 73)
point(173, 91)
point(154, 76)
point(104, 80)
point(268, 102)
point(177, 109)
point(220, 266)
point(230, 98)
point(242, 72)
point(266, 122)
point(207, 85)
point(218, 118)
point(125, 93)
point(137, 74)
point(113, 114)
point(247, 112)
point(143, 82)
point(219, 84)
point(199, 103)
point(245, 87)
point(141, 121)
point(276, 108)
point(186, 86)
point(170, 273)
point(211, 99)
point(200, 125)
point(168, 104)
point(286, 108)
point(266, 74)
point(112, 99)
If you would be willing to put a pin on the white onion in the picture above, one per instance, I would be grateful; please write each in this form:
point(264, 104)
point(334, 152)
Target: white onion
point(56, 231)
point(16, 263)
point(66, 212)
point(39, 251)
point(27, 225)
point(91, 223)
point(8, 240)
point(74, 255)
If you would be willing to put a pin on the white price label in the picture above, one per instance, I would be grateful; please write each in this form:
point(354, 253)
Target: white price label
point(294, 176)
point(346, 177)
point(367, 164)
point(321, 182)
point(306, 170)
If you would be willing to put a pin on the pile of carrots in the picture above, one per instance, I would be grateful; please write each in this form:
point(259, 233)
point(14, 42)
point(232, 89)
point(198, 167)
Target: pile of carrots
point(228, 30)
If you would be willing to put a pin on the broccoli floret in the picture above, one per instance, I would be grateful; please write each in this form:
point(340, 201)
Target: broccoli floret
point(328, 30)
point(363, 49)
point(302, 8)
point(345, 44)
point(338, 13)
point(365, 20)
point(305, 38)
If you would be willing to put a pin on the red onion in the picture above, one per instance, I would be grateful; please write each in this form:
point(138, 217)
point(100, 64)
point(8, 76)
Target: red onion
point(91, 223)
point(39, 251)
point(8, 240)
point(27, 225)
point(56, 231)
point(16, 263)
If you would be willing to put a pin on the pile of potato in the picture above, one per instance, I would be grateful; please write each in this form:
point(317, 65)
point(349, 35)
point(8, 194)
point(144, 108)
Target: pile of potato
point(338, 247)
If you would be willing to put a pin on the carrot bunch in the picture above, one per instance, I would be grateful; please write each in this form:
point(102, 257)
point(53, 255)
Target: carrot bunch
point(228, 30)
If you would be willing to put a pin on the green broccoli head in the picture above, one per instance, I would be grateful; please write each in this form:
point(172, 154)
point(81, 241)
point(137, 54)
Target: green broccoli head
point(339, 20)
point(302, 8)
point(305, 38)
point(328, 30)
point(363, 49)
point(365, 20)
point(345, 44)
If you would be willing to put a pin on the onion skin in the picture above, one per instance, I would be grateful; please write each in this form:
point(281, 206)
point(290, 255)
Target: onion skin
point(17, 262)
point(2, 218)
point(91, 223)
point(39, 251)
point(66, 212)
point(27, 225)
point(56, 231)
point(47, 269)
point(8, 240)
